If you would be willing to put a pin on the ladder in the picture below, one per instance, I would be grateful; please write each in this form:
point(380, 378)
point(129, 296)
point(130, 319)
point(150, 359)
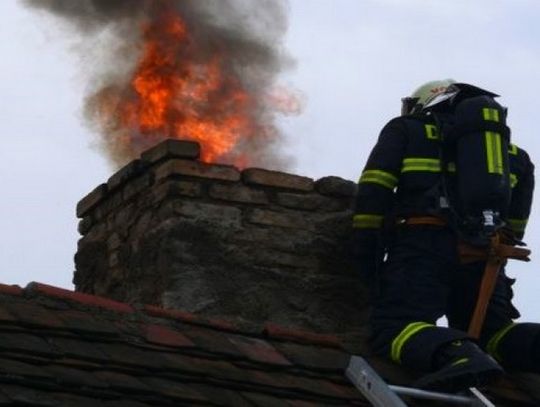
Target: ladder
point(381, 394)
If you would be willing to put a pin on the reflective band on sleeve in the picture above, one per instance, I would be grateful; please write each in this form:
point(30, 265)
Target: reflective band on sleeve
point(495, 339)
point(406, 334)
point(513, 180)
point(380, 177)
point(512, 149)
point(421, 164)
point(518, 225)
point(364, 221)
point(494, 153)
point(490, 114)
point(432, 132)
point(451, 167)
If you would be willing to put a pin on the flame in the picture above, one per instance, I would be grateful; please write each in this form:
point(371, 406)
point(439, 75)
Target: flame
point(177, 93)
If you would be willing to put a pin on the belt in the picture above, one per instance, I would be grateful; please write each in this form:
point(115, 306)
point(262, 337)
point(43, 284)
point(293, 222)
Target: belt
point(422, 220)
point(469, 254)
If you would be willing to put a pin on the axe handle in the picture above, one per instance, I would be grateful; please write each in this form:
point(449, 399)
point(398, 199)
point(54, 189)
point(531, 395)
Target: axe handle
point(489, 280)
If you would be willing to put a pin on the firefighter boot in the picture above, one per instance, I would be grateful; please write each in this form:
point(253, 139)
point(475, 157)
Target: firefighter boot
point(458, 366)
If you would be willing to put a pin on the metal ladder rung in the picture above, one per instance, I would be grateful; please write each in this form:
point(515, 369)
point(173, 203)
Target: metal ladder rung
point(380, 394)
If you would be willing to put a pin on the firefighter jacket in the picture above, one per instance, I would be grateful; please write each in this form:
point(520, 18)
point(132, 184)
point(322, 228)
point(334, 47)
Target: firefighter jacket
point(402, 178)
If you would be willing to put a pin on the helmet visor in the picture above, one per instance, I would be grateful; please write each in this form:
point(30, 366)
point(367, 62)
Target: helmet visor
point(408, 104)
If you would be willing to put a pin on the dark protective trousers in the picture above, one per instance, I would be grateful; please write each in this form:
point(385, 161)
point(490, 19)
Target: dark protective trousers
point(421, 281)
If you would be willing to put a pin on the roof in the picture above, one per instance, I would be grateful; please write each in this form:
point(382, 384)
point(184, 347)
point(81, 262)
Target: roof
point(64, 348)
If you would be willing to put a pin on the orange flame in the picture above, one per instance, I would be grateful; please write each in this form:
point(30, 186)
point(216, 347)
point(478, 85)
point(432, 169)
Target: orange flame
point(175, 94)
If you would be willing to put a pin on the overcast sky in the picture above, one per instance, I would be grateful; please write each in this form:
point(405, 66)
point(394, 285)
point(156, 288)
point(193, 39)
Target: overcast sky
point(355, 60)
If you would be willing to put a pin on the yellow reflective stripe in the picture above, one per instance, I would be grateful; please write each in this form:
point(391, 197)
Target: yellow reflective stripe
point(512, 149)
point(494, 153)
point(404, 336)
point(451, 167)
point(495, 339)
point(489, 151)
point(490, 114)
point(499, 165)
point(432, 132)
point(518, 225)
point(460, 361)
point(380, 177)
point(421, 164)
point(513, 180)
point(365, 221)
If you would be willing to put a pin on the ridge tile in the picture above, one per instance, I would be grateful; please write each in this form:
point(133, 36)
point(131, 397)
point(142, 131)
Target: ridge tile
point(86, 299)
point(11, 290)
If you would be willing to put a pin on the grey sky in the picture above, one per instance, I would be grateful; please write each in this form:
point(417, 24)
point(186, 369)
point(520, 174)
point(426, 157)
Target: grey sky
point(355, 59)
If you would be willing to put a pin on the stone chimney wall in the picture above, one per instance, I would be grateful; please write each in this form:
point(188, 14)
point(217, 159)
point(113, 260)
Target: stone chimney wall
point(253, 245)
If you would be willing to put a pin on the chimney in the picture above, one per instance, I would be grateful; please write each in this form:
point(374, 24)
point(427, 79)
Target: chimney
point(252, 246)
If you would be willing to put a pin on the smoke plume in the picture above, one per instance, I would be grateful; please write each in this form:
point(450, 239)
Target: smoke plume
point(204, 70)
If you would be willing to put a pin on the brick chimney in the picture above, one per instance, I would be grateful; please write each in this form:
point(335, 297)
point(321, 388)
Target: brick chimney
point(252, 246)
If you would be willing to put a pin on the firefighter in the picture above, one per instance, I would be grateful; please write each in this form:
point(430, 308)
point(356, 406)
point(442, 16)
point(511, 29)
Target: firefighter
point(406, 235)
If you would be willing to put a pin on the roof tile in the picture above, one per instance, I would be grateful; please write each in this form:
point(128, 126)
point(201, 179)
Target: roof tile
point(268, 379)
point(121, 381)
point(315, 387)
point(33, 314)
point(207, 367)
point(189, 318)
point(69, 400)
point(301, 403)
point(78, 348)
point(4, 400)
point(5, 315)
point(264, 400)
point(174, 389)
point(160, 312)
point(26, 357)
point(125, 403)
point(27, 396)
point(259, 350)
point(84, 323)
point(221, 324)
point(348, 392)
point(77, 363)
point(162, 335)
point(13, 367)
point(123, 354)
point(212, 341)
point(290, 384)
point(75, 377)
point(220, 396)
point(279, 332)
point(82, 298)
point(26, 343)
point(10, 289)
point(313, 357)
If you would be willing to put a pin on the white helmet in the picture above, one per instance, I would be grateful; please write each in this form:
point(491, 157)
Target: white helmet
point(422, 96)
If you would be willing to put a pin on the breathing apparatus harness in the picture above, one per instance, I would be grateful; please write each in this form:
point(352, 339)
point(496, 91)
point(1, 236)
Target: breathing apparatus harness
point(473, 132)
